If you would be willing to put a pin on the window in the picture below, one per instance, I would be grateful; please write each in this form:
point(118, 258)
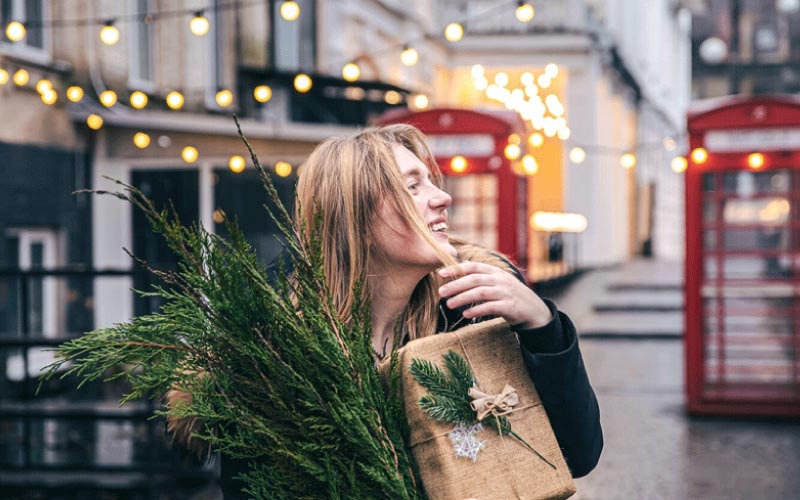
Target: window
point(141, 72)
point(32, 13)
point(294, 42)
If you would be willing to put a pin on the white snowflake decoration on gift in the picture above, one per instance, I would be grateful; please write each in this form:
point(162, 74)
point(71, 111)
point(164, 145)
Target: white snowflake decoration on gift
point(464, 441)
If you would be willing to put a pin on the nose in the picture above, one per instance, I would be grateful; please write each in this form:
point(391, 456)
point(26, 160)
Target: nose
point(440, 199)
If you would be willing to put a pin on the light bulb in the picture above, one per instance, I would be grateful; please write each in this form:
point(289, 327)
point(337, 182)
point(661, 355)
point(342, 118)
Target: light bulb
point(628, 161)
point(262, 93)
point(679, 164)
point(94, 121)
point(283, 169)
point(530, 165)
point(49, 96)
point(138, 99)
point(536, 140)
point(454, 32)
point(189, 154)
point(108, 98)
point(175, 100)
point(43, 85)
point(409, 56)
point(21, 77)
point(236, 163)
point(109, 34)
point(577, 155)
point(551, 70)
point(421, 101)
point(302, 83)
point(199, 24)
point(501, 79)
point(141, 140)
point(458, 164)
point(392, 97)
point(290, 10)
point(755, 161)
point(512, 151)
point(224, 98)
point(15, 31)
point(524, 12)
point(74, 93)
point(699, 155)
point(477, 71)
point(351, 72)
point(564, 133)
point(4, 77)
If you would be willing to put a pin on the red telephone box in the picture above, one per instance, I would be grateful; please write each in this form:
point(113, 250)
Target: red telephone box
point(489, 199)
point(743, 257)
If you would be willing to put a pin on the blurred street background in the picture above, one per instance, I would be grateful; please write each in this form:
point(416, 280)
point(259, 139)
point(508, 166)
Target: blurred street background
point(639, 160)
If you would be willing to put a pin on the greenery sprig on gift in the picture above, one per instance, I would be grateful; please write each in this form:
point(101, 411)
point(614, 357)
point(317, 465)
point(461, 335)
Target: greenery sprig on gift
point(275, 376)
point(453, 397)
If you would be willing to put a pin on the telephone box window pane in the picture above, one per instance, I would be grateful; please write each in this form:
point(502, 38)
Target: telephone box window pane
point(762, 211)
point(710, 239)
point(708, 183)
point(709, 212)
point(766, 238)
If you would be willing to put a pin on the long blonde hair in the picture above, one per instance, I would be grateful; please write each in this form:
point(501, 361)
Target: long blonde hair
point(341, 186)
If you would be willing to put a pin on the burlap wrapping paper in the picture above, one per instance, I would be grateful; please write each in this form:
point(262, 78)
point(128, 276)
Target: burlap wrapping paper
point(505, 469)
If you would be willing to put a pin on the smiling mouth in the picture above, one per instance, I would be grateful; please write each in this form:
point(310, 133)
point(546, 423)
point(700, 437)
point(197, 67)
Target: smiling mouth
point(439, 227)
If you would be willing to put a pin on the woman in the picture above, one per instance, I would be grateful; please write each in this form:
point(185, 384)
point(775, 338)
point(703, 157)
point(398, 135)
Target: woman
point(377, 207)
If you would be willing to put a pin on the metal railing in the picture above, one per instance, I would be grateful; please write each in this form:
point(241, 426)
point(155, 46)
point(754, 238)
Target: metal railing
point(65, 436)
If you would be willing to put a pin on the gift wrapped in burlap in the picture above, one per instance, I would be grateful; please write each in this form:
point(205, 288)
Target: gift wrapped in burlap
point(504, 469)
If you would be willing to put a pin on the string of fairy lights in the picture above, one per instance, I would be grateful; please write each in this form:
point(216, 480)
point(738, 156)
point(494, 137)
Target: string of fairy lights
point(546, 114)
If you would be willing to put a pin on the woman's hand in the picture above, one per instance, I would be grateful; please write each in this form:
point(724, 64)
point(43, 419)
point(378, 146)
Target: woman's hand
point(493, 292)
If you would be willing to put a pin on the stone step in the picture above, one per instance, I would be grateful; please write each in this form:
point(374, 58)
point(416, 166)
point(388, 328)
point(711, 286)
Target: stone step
point(661, 301)
point(634, 325)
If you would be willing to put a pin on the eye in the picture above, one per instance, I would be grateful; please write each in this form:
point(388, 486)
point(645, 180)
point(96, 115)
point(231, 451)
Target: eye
point(413, 187)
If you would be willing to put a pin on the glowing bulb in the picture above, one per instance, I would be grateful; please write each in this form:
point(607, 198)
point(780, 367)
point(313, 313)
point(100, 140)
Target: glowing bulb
point(458, 164)
point(536, 140)
point(755, 161)
point(409, 56)
point(501, 79)
point(199, 24)
point(109, 34)
point(392, 97)
point(21, 77)
point(699, 156)
point(481, 83)
point(514, 139)
point(454, 32)
point(524, 12)
point(189, 154)
point(141, 140)
point(290, 10)
point(283, 169)
point(512, 151)
point(94, 121)
point(302, 83)
point(476, 71)
point(224, 98)
point(49, 97)
point(543, 81)
point(15, 31)
point(669, 143)
point(351, 72)
point(175, 100)
point(628, 161)
point(530, 165)
point(679, 164)
point(527, 79)
point(43, 85)
point(421, 101)
point(577, 155)
point(74, 93)
point(3, 76)
point(236, 163)
point(108, 98)
point(551, 70)
point(138, 99)
point(262, 93)
point(564, 133)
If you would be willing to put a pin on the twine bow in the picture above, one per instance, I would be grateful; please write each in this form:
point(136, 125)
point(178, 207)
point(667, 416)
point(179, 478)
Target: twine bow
point(493, 404)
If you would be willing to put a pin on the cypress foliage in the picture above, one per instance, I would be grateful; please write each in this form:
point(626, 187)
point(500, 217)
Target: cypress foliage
point(276, 377)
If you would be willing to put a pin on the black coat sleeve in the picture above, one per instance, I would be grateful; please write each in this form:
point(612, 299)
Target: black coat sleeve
point(555, 364)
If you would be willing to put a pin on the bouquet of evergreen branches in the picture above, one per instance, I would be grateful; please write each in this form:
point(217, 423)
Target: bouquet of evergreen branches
point(275, 376)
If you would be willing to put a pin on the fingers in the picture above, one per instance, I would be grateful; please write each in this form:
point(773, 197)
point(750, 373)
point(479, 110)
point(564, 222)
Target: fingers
point(472, 295)
point(466, 283)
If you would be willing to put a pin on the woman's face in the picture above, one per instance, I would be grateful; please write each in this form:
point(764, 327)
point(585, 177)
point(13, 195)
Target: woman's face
point(395, 237)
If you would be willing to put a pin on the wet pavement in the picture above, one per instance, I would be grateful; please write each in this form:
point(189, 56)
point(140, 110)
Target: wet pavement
point(653, 450)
